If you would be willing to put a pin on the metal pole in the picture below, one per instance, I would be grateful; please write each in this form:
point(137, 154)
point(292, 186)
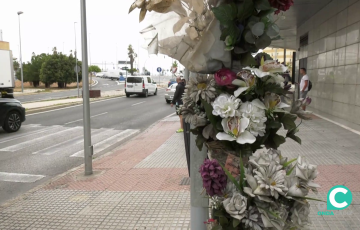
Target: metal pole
point(88, 148)
point(76, 63)
point(199, 211)
point(21, 63)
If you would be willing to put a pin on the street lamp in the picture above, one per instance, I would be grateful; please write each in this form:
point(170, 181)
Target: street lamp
point(21, 64)
point(76, 63)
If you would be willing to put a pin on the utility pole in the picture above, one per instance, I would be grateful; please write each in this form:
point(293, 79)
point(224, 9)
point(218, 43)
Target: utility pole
point(76, 64)
point(21, 63)
point(88, 148)
point(199, 211)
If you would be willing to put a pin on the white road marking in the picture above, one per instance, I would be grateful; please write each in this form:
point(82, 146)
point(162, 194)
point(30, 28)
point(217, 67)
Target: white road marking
point(139, 103)
point(99, 114)
point(34, 141)
point(338, 124)
point(18, 177)
point(82, 119)
point(31, 133)
point(98, 147)
point(59, 147)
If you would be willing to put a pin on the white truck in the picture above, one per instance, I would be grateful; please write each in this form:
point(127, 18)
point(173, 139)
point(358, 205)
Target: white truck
point(7, 78)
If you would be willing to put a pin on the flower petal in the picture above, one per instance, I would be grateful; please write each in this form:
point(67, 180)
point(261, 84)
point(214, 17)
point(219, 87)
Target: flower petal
point(239, 83)
point(225, 137)
point(244, 123)
point(240, 91)
point(258, 104)
point(283, 105)
point(245, 138)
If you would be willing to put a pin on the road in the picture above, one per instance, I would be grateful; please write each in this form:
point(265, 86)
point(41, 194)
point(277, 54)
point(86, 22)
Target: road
point(51, 143)
point(103, 85)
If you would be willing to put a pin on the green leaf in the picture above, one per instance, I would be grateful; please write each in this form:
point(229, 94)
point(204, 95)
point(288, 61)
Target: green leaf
point(249, 37)
point(208, 110)
point(225, 13)
point(274, 125)
point(242, 173)
point(309, 198)
point(245, 10)
point(236, 222)
point(247, 60)
point(289, 162)
point(278, 140)
point(265, 13)
point(292, 169)
point(262, 4)
point(200, 140)
point(223, 221)
point(231, 178)
point(263, 41)
point(288, 121)
point(291, 134)
point(258, 29)
point(217, 227)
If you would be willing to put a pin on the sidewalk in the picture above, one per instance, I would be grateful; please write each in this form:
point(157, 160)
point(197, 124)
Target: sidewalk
point(139, 185)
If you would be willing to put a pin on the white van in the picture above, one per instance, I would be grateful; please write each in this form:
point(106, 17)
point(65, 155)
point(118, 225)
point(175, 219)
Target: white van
point(112, 74)
point(141, 85)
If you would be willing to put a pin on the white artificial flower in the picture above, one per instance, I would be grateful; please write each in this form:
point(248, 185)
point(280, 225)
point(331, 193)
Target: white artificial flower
point(295, 187)
point(255, 112)
point(272, 66)
point(272, 101)
point(307, 173)
point(268, 69)
point(252, 219)
point(275, 78)
point(236, 205)
point(248, 81)
point(235, 130)
point(300, 215)
point(225, 106)
point(274, 222)
point(271, 178)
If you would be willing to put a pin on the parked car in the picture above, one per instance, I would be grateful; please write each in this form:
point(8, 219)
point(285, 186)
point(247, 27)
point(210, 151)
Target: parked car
point(12, 114)
point(171, 81)
point(100, 75)
point(140, 85)
point(112, 75)
point(169, 93)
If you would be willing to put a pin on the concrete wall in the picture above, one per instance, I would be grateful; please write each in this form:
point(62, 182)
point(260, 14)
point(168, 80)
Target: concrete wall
point(333, 59)
point(4, 45)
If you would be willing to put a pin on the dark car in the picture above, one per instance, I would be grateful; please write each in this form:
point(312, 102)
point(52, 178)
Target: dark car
point(12, 114)
point(172, 81)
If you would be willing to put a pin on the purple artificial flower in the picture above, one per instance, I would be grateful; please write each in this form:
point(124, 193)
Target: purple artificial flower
point(214, 177)
point(307, 101)
point(224, 77)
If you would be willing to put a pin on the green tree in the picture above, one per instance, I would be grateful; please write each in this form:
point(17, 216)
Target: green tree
point(94, 68)
point(51, 70)
point(132, 55)
point(16, 65)
point(33, 74)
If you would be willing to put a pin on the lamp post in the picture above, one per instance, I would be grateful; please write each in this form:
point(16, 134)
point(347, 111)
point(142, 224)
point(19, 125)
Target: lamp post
point(21, 64)
point(76, 63)
point(88, 148)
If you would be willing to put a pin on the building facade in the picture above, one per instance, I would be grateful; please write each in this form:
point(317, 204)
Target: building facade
point(331, 55)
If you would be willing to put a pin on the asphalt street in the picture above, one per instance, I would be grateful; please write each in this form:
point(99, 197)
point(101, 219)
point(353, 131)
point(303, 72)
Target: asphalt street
point(51, 143)
point(103, 85)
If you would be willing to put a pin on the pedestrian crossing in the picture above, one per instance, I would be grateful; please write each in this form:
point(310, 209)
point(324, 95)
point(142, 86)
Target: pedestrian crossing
point(55, 140)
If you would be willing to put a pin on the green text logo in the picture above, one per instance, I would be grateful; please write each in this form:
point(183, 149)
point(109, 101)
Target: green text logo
point(339, 198)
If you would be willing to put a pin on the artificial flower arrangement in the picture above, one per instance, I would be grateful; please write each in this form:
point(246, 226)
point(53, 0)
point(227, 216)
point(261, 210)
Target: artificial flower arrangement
point(236, 104)
point(238, 117)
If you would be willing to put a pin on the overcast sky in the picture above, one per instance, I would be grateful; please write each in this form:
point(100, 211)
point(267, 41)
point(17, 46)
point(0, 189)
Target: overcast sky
point(50, 23)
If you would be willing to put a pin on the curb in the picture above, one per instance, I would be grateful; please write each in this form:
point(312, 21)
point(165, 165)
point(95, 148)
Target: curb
point(64, 105)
